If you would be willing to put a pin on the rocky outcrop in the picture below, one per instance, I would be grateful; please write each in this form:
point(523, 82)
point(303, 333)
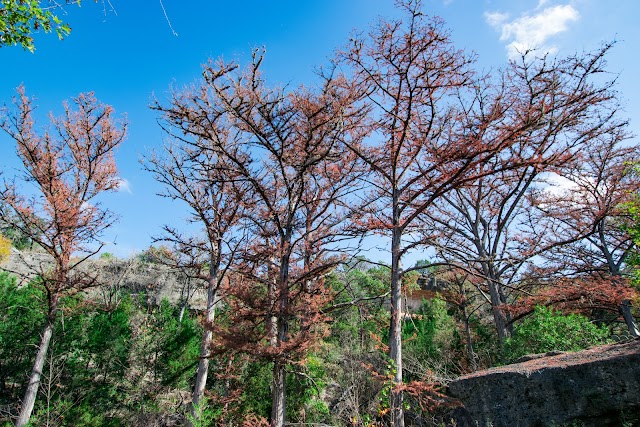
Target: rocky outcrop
point(155, 281)
point(595, 387)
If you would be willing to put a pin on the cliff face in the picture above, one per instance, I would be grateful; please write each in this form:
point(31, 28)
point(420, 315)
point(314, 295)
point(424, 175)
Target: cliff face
point(595, 387)
point(156, 281)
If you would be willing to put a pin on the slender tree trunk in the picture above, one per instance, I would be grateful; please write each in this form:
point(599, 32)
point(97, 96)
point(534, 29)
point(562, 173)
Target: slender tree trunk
point(499, 318)
point(227, 390)
point(272, 320)
point(34, 380)
point(632, 325)
point(183, 309)
point(471, 355)
point(278, 395)
point(184, 298)
point(507, 315)
point(279, 390)
point(203, 363)
point(625, 306)
point(395, 330)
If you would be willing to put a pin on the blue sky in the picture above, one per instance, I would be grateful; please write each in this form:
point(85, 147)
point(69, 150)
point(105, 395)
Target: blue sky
point(127, 52)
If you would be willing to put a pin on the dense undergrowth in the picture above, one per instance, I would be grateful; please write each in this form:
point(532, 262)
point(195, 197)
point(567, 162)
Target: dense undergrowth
point(128, 363)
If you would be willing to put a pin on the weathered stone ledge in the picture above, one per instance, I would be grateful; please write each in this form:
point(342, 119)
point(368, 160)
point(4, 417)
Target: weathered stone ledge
point(595, 387)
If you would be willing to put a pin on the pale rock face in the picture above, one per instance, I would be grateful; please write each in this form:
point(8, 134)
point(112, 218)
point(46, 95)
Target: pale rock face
point(595, 387)
point(156, 281)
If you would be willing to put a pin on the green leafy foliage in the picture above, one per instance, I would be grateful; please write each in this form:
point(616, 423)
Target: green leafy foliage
point(175, 344)
point(21, 319)
point(354, 326)
point(108, 366)
point(205, 417)
point(548, 330)
point(632, 227)
point(431, 332)
point(104, 366)
point(107, 256)
point(19, 19)
point(305, 386)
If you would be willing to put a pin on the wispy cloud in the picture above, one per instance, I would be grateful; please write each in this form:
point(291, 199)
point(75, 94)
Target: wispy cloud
point(124, 186)
point(532, 29)
point(541, 3)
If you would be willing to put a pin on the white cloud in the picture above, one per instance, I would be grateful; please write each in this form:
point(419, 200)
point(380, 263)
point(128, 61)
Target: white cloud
point(559, 184)
point(496, 19)
point(541, 3)
point(124, 186)
point(532, 30)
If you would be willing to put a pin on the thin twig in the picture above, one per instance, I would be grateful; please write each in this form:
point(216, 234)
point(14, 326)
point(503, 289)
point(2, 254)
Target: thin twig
point(167, 18)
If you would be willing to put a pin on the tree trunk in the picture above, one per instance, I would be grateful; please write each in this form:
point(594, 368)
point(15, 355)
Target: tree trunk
point(278, 395)
point(203, 364)
point(625, 310)
point(183, 309)
point(499, 318)
point(395, 331)
point(506, 315)
point(272, 320)
point(184, 298)
point(34, 380)
point(625, 307)
point(278, 388)
point(471, 355)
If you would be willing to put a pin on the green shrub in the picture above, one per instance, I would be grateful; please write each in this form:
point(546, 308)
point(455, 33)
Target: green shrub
point(172, 346)
point(107, 256)
point(21, 319)
point(548, 330)
point(431, 334)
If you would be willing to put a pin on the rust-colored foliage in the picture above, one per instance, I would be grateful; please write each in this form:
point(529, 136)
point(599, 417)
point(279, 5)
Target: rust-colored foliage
point(577, 295)
point(556, 113)
point(407, 72)
point(193, 172)
point(438, 127)
point(284, 153)
point(69, 165)
point(589, 208)
point(429, 395)
point(583, 223)
point(253, 420)
point(441, 136)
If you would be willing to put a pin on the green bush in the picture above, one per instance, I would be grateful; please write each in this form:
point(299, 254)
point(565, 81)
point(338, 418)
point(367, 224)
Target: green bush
point(548, 330)
point(430, 336)
point(176, 345)
point(21, 321)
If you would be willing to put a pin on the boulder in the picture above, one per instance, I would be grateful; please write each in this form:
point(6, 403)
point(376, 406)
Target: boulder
point(595, 387)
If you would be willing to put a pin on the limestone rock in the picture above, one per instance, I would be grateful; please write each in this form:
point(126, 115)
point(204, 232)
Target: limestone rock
point(595, 387)
point(155, 281)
